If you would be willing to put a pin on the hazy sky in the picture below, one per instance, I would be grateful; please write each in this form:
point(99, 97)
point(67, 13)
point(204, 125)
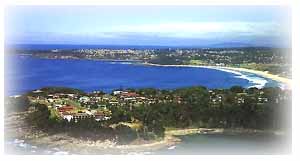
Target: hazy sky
point(147, 25)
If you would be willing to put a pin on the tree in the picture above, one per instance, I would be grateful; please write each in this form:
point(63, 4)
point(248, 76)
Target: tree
point(125, 133)
point(253, 90)
point(148, 91)
point(236, 89)
point(196, 102)
point(119, 114)
point(40, 117)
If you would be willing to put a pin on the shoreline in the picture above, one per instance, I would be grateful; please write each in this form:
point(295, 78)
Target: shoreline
point(62, 142)
point(286, 81)
point(265, 74)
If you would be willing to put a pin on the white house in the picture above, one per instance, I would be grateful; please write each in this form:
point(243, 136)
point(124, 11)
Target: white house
point(68, 117)
point(84, 99)
point(117, 92)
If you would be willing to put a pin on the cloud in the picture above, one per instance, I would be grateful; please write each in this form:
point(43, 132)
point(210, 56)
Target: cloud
point(175, 33)
point(202, 29)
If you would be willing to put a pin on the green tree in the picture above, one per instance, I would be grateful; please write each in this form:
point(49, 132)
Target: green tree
point(236, 89)
point(126, 134)
point(40, 117)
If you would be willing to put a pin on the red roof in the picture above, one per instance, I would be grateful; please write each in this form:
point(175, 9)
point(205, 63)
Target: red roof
point(131, 94)
point(99, 113)
point(65, 108)
point(67, 113)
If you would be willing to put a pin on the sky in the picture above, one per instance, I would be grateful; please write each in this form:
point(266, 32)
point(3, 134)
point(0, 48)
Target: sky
point(148, 25)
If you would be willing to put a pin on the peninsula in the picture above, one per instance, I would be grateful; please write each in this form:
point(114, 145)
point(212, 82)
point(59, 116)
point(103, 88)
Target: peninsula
point(139, 120)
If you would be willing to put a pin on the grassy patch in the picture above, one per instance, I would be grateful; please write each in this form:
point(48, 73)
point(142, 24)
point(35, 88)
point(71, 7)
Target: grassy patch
point(53, 114)
point(75, 104)
point(197, 62)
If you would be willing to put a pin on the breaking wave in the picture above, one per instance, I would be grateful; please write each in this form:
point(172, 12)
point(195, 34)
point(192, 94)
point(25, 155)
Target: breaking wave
point(258, 82)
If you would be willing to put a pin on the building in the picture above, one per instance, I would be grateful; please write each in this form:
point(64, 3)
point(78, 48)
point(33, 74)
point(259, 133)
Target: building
point(84, 99)
point(129, 94)
point(65, 109)
point(117, 92)
point(67, 116)
point(80, 116)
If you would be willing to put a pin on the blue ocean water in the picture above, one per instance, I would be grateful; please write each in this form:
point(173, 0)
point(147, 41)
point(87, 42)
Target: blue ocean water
point(222, 144)
point(194, 144)
point(26, 73)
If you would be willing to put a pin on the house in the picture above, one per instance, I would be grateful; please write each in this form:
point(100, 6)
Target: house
point(71, 96)
point(113, 102)
point(84, 99)
point(240, 100)
point(56, 106)
point(219, 97)
point(81, 116)
point(50, 100)
point(103, 106)
point(37, 91)
point(100, 116)
point(49, 96)
point(129, 94)
point(89, 112)
point(117, 92)
point(130, 99)
point(67, 116)
point(262, 99)
point(66, 109)
point(106, 97)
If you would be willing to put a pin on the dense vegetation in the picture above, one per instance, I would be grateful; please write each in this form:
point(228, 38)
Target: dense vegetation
point(197, 109)
point(237, 107)
point(53, 90)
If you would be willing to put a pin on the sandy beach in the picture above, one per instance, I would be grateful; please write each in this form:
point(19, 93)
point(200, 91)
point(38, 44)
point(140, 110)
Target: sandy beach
point(265, 74)
point(286, 81)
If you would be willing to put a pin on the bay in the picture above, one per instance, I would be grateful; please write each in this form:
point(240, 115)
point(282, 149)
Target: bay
point(224, 144)
point(26, 73)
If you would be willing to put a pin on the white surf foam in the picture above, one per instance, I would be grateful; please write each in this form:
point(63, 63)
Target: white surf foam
point(258, 82)
point(61, 153)
point(17, 141)
point(172, 147)
point(227, 70)
point(138, 153)
point(125, 63)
